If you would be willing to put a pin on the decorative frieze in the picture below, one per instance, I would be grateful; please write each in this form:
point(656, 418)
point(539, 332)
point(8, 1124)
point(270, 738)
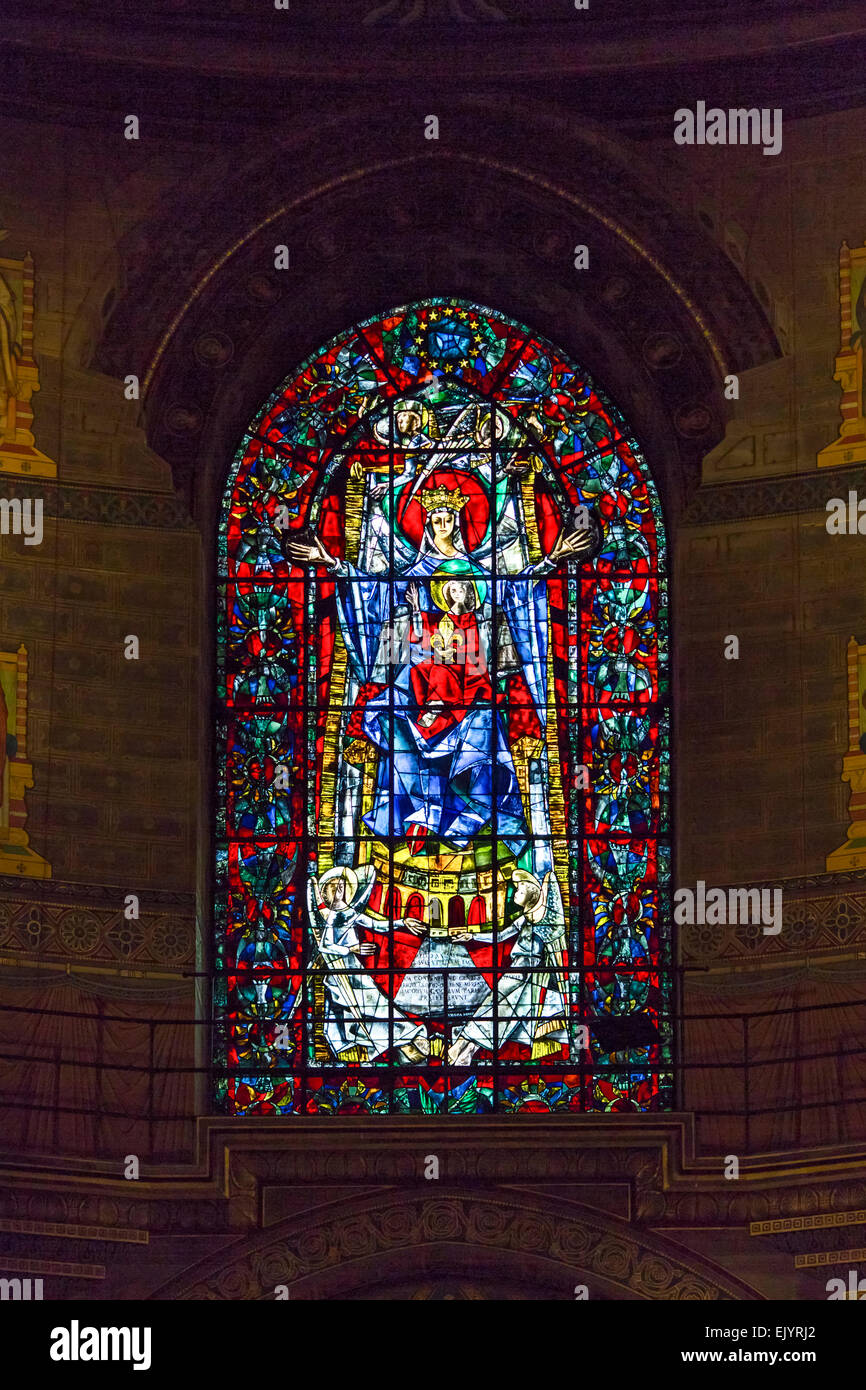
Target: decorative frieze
point(82, 931)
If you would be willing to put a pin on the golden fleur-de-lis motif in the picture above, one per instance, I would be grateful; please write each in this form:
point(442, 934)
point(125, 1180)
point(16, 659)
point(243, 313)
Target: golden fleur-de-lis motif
point(445, 639)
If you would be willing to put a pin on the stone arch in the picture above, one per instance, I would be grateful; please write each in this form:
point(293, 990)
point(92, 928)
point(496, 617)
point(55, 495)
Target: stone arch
point(393, 1237)
point(491, 214)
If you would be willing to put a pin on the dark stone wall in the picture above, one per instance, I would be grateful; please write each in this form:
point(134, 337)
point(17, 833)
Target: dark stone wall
point(134, 266)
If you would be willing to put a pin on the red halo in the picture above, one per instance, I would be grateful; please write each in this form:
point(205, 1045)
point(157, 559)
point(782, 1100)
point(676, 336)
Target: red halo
point(472, 518)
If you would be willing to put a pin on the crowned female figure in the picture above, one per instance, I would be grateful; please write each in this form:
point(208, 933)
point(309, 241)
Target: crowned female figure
point(446, 690)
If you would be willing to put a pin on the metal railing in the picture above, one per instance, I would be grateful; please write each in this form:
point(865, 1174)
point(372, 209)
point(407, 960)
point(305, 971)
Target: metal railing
point(763, 1111)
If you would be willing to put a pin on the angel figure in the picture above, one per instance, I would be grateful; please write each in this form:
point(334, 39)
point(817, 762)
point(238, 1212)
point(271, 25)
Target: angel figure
point(361, 1024)
point(531, 1002)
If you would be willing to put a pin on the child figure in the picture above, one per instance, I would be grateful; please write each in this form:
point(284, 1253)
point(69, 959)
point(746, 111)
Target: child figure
point(452, 674)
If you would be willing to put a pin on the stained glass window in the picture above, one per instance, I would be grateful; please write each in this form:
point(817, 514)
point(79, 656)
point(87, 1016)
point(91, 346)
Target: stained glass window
point(443, 843)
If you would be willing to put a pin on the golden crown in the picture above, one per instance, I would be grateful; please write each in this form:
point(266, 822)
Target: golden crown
point(434, 499)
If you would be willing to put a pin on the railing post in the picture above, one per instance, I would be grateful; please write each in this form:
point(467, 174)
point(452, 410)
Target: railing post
point(746, 1095)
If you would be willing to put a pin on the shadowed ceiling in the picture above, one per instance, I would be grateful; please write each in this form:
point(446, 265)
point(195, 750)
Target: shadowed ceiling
point(631, 62)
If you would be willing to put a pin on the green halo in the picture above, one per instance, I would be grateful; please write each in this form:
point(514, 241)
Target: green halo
point(459, 568)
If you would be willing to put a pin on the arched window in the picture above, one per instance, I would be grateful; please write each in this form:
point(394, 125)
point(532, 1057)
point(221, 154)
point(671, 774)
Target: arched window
point(415, 906)
point(443, 681)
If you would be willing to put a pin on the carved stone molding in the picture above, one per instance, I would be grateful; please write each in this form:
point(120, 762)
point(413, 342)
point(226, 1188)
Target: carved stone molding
point(580, 1243)
point(782, 496)
point(36, 928)
point(491, 214)
point(105, 506)
point(133, 1221)
point(95, 895)
point(811, 921)
point(333, 1208)
point(610, 57)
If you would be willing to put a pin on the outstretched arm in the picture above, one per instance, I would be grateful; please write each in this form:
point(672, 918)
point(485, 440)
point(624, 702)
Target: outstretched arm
point(413, 602)
point(579, 543)
point(310, 553)
point(572, 543)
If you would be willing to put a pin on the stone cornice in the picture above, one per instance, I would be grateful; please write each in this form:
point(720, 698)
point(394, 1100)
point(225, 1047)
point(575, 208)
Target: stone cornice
point(807, 57)
point(652, 1155)
point(103, 506)
point(751, 498)
point(96, 895)
point(243, 42)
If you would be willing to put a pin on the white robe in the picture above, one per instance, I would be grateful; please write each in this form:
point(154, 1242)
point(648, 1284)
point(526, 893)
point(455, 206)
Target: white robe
point(356, 1010)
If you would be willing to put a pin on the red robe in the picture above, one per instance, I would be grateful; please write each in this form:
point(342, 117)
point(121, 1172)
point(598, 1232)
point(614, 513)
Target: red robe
point(455, 674)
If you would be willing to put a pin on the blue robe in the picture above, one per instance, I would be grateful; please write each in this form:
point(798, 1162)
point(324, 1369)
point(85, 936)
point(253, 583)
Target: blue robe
point(461, 783)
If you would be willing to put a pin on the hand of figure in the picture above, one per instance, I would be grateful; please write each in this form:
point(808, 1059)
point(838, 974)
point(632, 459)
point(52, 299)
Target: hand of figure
point(427, 718)
point(413, 596)
point(460, 1052)
point(462, 936)
point(574, 543)
point(416, 927)
point(538, 429)
point(304, 553)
